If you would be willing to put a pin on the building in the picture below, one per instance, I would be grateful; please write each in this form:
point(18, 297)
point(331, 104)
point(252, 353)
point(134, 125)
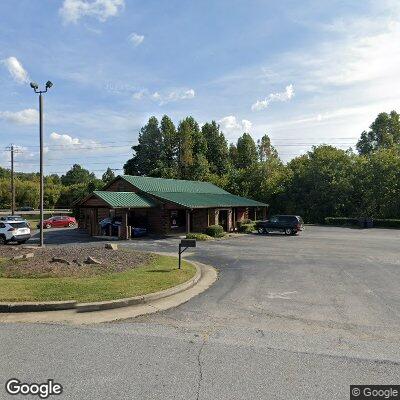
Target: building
point(164, 206)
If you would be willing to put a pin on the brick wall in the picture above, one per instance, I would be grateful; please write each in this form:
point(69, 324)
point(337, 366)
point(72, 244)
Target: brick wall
point(200, 220)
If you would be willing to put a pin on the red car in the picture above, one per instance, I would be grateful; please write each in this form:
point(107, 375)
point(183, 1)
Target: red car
point(63, 221)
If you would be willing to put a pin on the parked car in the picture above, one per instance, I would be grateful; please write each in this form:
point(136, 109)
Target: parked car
point(26, 208)
point(14, 231)
point(105, 225)
point(62, 221)
point(288, 224)
point(11, 218)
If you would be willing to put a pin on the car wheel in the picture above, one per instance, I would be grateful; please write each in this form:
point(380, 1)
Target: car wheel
point(71, 224)
point(260, 230)
point(3, 240)
point(293, 232)
point(48, 226)
point(287, 231)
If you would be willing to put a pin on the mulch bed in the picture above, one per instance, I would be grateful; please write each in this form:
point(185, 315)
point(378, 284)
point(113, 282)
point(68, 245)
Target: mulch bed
point(41, 265)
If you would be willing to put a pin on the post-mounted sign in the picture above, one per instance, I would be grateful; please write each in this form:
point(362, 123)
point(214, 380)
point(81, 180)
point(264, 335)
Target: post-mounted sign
point(183, 245)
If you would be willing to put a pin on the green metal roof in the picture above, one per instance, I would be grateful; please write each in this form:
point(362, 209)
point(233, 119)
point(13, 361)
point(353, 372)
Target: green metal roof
point(204, 200)
point(125, 199)
point(149, 184)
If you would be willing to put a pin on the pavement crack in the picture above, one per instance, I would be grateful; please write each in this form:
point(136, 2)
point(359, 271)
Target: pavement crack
point(200, 369)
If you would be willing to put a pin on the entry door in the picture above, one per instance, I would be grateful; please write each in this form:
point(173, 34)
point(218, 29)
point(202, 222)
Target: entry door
point(223, 219)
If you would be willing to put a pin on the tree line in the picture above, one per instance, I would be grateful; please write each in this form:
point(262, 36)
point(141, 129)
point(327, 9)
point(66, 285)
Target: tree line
point(326, 181)
point(59, 191)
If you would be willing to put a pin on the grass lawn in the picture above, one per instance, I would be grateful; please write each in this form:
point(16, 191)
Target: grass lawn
point(162, 273)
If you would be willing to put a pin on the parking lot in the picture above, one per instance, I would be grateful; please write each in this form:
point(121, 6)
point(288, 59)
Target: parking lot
point(289, 317)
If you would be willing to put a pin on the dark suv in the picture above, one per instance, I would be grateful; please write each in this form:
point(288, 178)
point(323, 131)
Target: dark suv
point(288, 224)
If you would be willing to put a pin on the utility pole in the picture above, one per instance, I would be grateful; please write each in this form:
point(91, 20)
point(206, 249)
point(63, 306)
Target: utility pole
point(13, 150)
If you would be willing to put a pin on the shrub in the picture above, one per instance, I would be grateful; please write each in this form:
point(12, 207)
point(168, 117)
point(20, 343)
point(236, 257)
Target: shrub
point(342, 221)
point(387, 223)
point(198, 236)
point(215, 231)
point(376, 223)
point(246, 228)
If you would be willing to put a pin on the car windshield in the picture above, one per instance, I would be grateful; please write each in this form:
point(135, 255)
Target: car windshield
point(18, 225)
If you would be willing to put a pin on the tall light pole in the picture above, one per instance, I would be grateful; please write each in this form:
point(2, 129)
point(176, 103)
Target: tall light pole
point(35, 87)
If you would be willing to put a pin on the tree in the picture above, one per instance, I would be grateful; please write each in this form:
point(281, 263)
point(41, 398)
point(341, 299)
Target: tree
point(321, 184)
point(246, 151)
point(170, 149)
point(217, 153)
point(148, 152)
point(186, 142)
point(108, 176)
point(200, 168)
point(233, 155)
point(77, 175)
point(384, 133)
point(265, 149)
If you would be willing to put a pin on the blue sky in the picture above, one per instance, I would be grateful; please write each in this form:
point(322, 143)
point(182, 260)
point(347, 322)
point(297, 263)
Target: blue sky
point(304, 72)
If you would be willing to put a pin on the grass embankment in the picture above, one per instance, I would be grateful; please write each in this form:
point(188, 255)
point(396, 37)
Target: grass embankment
point(159, 274)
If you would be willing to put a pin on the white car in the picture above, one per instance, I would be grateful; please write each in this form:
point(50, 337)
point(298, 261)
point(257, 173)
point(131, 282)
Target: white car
point(14, 231)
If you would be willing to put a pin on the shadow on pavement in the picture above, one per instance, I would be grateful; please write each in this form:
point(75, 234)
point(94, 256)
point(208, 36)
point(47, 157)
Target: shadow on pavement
point(65, 236)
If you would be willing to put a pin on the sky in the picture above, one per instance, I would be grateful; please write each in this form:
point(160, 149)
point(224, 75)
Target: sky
point(305, 73)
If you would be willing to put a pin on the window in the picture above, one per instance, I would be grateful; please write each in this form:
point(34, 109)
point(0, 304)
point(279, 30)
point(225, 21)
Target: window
point(18, 225)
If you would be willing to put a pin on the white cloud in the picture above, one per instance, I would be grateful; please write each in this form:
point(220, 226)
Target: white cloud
point(164, 98)
point(272, 97)
point(16, 70)
point(66, 141)
point(233, 127)
point(136, 39)
point(73, 10)
point(28, 116)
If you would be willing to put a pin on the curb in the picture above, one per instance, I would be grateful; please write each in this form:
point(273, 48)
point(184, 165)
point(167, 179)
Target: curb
point(129, 301)
point(100, 305)
point(33, 306)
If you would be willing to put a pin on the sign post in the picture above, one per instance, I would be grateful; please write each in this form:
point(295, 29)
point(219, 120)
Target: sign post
point(183, 245)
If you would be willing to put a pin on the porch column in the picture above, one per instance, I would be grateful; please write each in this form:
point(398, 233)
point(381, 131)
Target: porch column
point(188, 221)
point(124, 226)
point(265, 213)
point(230, 221)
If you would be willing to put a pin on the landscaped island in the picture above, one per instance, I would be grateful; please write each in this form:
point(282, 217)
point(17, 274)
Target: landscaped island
point(85, 274)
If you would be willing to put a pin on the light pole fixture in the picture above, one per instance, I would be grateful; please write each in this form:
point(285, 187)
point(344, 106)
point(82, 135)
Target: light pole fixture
point(35, 87)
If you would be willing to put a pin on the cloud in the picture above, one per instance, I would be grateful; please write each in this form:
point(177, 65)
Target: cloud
point(233, 127)
point(28, 116)
point(16, 70)
point(164, 98)
point(73, 10)
point(136, 39)
point(66, 141)
point(273, 97)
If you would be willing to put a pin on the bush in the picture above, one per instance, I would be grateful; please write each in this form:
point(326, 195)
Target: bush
point(198, 236)
point(387, 223)
point(246, 228)
point(342, 221)
point(215, 231)
point(376, 223)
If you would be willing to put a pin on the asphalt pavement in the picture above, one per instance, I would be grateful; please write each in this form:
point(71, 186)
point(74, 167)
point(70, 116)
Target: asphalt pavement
point(289, 318)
